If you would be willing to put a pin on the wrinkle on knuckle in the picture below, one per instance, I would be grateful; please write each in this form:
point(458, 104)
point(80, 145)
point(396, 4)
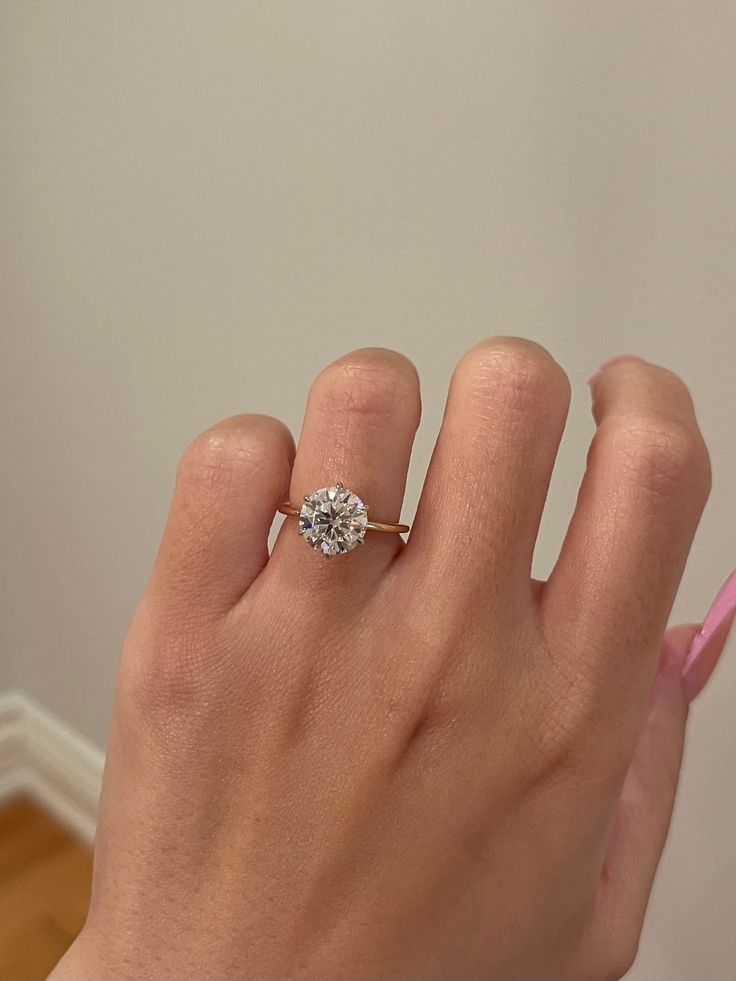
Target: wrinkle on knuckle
point(220, 458)
point(658, 456)
point(569, 740)
point(516, 378)
point(554, 744)
point(373, 389)
point(419, 697)
point(172, 680)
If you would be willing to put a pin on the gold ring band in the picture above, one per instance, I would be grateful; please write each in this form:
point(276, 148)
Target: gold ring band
point(294, 512)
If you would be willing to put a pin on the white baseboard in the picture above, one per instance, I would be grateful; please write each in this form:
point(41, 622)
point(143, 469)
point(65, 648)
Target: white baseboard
point(44, 758)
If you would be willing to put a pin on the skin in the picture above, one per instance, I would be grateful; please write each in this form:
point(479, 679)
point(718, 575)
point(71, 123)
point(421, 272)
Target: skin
point(410, 761)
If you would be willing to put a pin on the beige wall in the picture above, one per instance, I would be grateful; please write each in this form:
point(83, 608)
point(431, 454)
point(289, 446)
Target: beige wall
point(202, 203)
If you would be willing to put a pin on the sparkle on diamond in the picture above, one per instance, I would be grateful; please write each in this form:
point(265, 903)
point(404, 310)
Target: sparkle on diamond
point(333, 520)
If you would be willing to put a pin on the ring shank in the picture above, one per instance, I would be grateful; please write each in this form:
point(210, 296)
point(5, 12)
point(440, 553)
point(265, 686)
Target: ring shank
point(384, 526)
point(291, 511)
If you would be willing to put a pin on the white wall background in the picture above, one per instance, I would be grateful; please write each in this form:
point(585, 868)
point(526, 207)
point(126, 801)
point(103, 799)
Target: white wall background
point(203, 203)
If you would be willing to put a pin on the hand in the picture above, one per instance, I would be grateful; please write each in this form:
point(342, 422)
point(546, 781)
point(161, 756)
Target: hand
point(405, 762)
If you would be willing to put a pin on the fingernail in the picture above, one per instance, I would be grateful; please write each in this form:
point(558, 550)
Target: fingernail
point(709, 641)
point(619, 359)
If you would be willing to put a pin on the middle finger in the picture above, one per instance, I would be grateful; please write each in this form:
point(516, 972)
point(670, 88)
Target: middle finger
point(479, 514)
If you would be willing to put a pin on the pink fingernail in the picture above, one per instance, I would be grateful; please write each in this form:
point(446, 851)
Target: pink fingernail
point(619, 359)
point(709, 641)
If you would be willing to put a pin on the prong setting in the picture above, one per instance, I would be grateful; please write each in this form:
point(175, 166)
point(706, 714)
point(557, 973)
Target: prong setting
point(333, 520)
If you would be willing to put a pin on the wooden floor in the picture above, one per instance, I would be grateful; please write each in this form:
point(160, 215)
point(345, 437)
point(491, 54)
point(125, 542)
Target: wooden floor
point(45, 879)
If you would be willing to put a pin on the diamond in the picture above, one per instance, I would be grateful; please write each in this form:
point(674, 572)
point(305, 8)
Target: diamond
point(333, 520)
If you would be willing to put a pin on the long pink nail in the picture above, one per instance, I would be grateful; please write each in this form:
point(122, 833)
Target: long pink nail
point(709, 641)
point(619, 359)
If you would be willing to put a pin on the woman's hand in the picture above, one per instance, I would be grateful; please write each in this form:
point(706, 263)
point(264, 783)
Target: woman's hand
point(406, 762)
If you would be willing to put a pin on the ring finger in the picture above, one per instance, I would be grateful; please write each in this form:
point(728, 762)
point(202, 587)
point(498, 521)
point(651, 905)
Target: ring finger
point(362, 413)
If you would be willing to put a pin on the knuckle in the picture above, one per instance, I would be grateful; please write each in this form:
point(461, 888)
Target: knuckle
point(516, 373)
point(556, 743)
point(373, 383)
point(169, 680)
point(421, 694)
point(570, 741)
point(659, 454)
point(229, 453)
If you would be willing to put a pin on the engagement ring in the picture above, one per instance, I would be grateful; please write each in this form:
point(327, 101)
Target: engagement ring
point(334, 520)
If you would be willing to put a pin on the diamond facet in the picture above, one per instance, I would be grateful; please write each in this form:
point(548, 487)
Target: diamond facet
point(333, 520)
